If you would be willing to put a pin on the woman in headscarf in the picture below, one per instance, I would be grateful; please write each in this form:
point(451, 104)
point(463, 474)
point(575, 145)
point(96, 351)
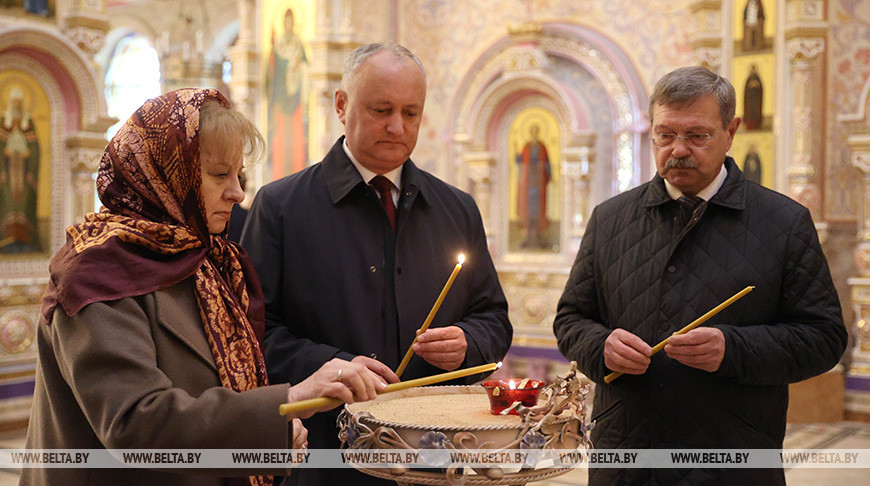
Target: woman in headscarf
point(152, 320)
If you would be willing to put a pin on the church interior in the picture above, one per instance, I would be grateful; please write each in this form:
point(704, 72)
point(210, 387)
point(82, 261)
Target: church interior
point(506, 79)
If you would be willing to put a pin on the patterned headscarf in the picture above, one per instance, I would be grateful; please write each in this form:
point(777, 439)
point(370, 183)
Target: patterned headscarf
point(152, 234)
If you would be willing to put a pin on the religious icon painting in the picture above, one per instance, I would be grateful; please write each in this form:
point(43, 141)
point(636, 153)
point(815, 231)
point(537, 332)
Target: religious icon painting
point(286, 84)
point(533, 160)
point(25, 205)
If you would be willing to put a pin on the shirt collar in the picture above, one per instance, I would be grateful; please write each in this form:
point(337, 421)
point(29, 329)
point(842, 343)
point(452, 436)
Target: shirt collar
point(706, 193)
point(395, 175)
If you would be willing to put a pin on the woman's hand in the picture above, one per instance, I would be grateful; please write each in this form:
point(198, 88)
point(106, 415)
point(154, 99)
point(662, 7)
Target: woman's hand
point(337, 378)
point(300, 435)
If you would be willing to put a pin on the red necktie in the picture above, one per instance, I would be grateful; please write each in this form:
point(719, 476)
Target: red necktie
point(384, 188)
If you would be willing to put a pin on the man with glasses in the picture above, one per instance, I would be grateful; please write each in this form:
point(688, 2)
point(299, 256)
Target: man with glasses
point(657, 257)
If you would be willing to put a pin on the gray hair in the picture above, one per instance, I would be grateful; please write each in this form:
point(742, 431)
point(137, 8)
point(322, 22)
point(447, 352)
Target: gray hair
point(686, 85)
point(360, 54)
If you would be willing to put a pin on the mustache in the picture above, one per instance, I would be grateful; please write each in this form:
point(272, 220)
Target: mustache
point(681, 163)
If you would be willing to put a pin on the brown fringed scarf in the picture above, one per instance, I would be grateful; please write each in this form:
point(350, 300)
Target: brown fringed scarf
point(152, 234)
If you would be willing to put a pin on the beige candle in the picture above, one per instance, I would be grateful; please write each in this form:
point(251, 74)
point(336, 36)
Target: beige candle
point(402, 385)
point(438, 301)
point(697, 322)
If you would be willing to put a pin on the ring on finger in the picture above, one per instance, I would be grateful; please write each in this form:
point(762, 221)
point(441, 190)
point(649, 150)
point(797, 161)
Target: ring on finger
point(339, 375)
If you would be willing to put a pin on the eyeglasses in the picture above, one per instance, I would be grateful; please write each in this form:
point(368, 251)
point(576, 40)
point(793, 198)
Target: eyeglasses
point(697, 140)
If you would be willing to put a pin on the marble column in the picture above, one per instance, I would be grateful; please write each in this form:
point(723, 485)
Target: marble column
point(805, 33)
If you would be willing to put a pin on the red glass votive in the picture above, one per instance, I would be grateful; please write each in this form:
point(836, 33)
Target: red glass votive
point(503, 394)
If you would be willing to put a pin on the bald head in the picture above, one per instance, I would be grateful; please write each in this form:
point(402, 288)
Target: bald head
point(356, 59)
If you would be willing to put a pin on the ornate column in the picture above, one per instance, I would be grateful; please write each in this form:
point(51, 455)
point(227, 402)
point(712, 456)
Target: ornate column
point(244, 57)
point(706, 40)
point(805, 32)
point(86, 24)
point(331, 45)
point(479, 168)
point(576, 163)
point(84, 151)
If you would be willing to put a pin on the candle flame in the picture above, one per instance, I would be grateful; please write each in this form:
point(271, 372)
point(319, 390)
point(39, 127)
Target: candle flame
point(461, 259)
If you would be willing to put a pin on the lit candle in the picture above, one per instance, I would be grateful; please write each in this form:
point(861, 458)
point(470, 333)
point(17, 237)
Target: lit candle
point(697, 322)
point(505, 395)
point(392, 387)
point(410, 353)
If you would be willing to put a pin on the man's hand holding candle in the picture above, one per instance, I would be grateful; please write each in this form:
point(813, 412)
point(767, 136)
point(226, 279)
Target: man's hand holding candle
point(626, 353)
point(702, 348)
point(443, 347)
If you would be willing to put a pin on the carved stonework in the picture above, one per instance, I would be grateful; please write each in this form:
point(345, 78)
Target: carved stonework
point(79, 68)
point(20, 301)
point(479, 166)
point(805, 48)
point(706, 38)
point(22, 291)
point(860, 365)
point(710, 58)
point(88, 40)
point(576, 167)
point(805, 10)
point(533, 297)
point(862, 259)
point(86, 158)
point(861, 161)
point(805, 45)
point(526, 58)
point(806, 194)
point(17, 331)
point(86, 26)
point(246, 61)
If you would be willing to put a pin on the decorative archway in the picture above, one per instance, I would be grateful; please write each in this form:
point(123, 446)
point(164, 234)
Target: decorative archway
point(78, 124)
point(587, 83)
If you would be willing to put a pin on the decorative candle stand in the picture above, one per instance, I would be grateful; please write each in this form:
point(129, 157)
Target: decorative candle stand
point(557, 422)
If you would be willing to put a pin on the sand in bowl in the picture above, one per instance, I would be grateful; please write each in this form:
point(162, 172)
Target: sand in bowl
point(448, 410)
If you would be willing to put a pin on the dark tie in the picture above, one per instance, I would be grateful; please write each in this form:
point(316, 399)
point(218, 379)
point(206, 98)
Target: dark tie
point(689, 205)
point(384, 188)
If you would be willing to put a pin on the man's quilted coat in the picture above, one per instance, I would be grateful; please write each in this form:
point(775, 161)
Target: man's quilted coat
point(640, 270)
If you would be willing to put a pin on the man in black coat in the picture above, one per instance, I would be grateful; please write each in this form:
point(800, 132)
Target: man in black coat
point(655, 258)
point(350, 270)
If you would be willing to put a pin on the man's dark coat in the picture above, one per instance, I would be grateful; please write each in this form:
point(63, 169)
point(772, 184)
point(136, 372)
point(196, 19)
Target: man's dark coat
point(639, 269)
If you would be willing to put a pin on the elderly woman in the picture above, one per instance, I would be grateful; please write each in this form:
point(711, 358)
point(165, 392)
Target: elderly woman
point(152, 321)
